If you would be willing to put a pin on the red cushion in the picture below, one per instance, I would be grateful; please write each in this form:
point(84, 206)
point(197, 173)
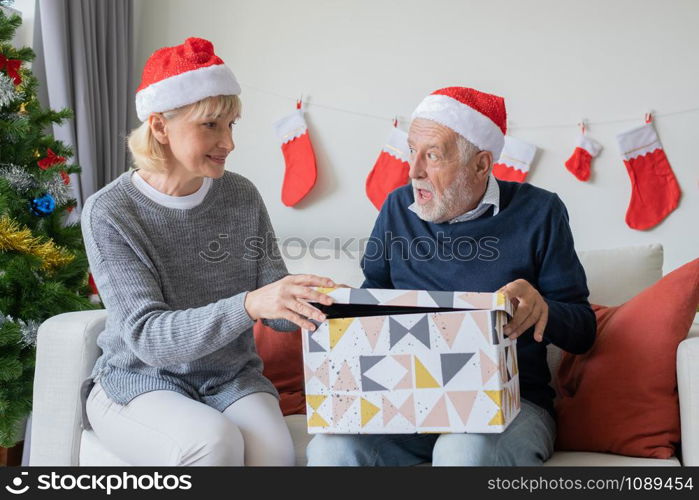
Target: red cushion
point(621, 396)
point(283, 365)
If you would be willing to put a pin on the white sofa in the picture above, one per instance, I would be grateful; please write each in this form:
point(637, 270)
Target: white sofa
point(67, 351)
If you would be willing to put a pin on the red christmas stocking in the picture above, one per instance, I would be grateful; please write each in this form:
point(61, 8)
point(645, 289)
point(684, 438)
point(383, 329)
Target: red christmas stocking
point(390, 170)
point(515, 160)
point(581, 159)
point(654, 189)
point(300, 171)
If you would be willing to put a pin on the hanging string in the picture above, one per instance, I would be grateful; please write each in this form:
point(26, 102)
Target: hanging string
point(511, 126)
point(313, 104)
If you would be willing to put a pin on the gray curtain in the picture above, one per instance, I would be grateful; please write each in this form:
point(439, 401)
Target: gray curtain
point(84, 49)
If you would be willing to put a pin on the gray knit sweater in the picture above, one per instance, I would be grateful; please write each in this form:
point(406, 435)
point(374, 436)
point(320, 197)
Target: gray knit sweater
point(174, 282)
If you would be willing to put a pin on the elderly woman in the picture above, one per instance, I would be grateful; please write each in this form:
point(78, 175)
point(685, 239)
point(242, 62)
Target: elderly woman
point(179, 382)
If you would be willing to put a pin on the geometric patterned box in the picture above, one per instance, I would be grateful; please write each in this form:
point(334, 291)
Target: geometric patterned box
point(411, 361)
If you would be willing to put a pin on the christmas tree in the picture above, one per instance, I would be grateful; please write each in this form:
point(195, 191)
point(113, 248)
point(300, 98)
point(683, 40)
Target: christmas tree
point(43, 266)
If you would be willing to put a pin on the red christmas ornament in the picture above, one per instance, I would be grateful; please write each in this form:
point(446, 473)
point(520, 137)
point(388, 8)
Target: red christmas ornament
point(51, 160)
point(66, 177)
point(11, 67)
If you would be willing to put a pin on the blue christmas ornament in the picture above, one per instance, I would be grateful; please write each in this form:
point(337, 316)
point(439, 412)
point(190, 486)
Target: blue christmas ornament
point(43, 206)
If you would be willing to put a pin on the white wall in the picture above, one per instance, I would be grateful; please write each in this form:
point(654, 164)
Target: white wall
point(25, 33)
point(554, 61)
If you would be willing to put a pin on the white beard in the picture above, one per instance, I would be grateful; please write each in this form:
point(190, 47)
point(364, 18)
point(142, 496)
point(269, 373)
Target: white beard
point(442, 208)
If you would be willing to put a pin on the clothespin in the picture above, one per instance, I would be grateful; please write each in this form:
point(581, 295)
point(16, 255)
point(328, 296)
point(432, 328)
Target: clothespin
point(583, 126)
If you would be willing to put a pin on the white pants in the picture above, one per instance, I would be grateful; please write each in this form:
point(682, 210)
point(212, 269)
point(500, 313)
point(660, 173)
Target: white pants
point(161, 428)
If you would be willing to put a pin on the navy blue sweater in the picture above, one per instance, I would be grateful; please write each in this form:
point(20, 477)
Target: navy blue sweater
point(529, 239)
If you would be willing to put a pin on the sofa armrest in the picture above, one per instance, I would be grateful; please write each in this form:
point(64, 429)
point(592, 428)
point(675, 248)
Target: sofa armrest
point(688, 388)
point(65, 355)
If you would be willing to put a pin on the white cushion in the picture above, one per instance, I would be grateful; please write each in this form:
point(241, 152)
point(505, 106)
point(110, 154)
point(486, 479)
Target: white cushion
point(614, 276)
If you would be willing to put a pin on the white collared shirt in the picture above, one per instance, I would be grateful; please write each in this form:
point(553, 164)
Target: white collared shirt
point(491, 197)
point(180, 202)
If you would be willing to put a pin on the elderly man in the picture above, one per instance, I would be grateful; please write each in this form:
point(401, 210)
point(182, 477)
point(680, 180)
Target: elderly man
point(519, 242)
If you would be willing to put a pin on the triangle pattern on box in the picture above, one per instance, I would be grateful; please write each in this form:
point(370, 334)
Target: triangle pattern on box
point(508, 362)
point(442, 299)
point(463, 403)
point(317, 421)
point(372, 326)
point(477, 300)
point(423, 378)
point(407, 409)
point(362, 296)
point(496, 396)
point(420, 330)
point(488, 367)
point(314, 346)
point(498, 419)
point(341, 403)
point(407, 381)
point(322, 373)
point(365, 363)
point(315, 400)
point(338, 327)
point(407, 299)
point(345, 381)
point(448, 325)
point(482, 320)
point(368, 411)
point(452, 363)
point(388, 372)
point(389, 410)
point(438, 416)
point(502, 366)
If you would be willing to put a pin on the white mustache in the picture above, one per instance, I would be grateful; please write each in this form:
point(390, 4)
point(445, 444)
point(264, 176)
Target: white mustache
point(424, 187)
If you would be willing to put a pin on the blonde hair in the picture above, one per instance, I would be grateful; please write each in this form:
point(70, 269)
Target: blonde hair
point(148, 154)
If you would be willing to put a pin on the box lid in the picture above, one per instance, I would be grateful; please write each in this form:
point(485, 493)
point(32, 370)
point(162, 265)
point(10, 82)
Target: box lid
point(420, 299)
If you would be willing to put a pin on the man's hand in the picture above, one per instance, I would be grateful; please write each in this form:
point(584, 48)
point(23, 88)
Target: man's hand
point(288, 299)
point(532, 309)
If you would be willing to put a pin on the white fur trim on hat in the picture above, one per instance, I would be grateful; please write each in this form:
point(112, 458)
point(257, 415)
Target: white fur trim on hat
point(186, 88)
point(464, 120)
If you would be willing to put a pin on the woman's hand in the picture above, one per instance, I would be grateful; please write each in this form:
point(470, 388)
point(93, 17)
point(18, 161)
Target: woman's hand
point(288, 299)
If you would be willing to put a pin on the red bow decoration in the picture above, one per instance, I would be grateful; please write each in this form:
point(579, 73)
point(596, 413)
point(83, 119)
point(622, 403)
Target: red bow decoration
point(65, 177)
point(11, 67)
point(50, 160)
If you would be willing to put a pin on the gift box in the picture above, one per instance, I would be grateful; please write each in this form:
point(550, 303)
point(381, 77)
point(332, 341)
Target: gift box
point(411, 361)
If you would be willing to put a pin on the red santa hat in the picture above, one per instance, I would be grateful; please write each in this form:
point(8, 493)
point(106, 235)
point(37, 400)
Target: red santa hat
point(184, 74)
point(478, 117)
